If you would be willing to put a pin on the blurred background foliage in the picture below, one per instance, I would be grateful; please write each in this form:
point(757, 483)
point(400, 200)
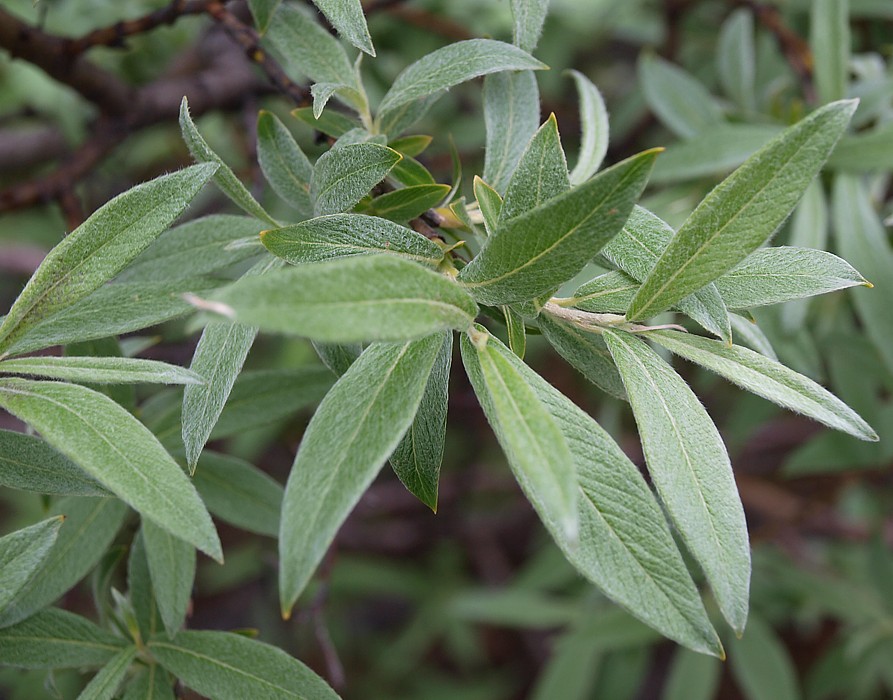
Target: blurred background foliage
point(474, 601)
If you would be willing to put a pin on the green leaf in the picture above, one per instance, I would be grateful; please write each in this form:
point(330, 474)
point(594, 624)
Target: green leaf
point(690, 469)
point(343, 176)
point(752, 336)
point(57, 639)
point(610, 292)
point(829, 39)
point(511, 115)
point(140, 593)
point(263, 11)
point(678, 99)
point(809, 229)
point(111, 445)
point(344, 235)
point(172, 568)
point(30, 464)
point(408, 202)
point(529, 16)
point(516, 331)
point(228, 666)
point(104, 685)
point(534, 254)
point(358, 299)
point(100, 370)
point(761, 665)
point(22, 553)
point(736, 58)
point(743, 211)
point(410, 173)
point(417, 459)
point(489, 202)
point(330, 123)
point(625, 546)
point(692, 677)
point(90, 526)
point(323, 92)
point(347, 18)
point(150, 684)
point(101, 247)
point(337, 357)
point(354, 430)
point(454, 64)
point(225, 178)
point(595, 129)
point(398, 120)
point(283, 163)
point(239, 493)
point(411, 145)
point(866, 152)
point(536, 449)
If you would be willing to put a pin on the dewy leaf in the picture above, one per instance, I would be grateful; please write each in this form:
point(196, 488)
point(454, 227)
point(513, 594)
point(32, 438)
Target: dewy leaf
point(172, 568)
point(225, 178)
point(344, 235)
point(536, 449)
point(101, 247)
point(743, 211)
point(689, 466)
point(355, 428)
point(511, 115)
point(348, 19)
point(343, 176)
point(358, 299)
point(595, 129)
point(111, 445)
point(736, 58)
point(454, 64)
point(263, 11)
point(774, 275)
point(417, 459)
point(104, 685)
point(100, 370)
point(767, 378)
point(625, 546)
point(22, 553)
point(57, 639)
point(228, 666)
point(30, 464)
point(829, 39)
point(283, 163)
point(529, 16)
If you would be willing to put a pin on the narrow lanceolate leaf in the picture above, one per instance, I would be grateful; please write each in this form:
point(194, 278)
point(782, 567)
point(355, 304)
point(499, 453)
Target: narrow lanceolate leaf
point(172, 568)
point(111, 445)
point(307, 48)
point(30, 464)
point(774, 275)
point(101, 247)
point(594, 126)
point(330, 123)
point(516, 331)
point(100, 370)
point(417, 459)
point(263, 11)
point(751, 335)
point(228, 666)
point(348, 19)
point(829, 39)
point(355, 428)
point(150, 684)
point(610, 292)
point(323, 92)
point(343, 176)
point(809, 229)
point(455, 64)
point(22, 553)
point(689, 466)
point(625, 546)
point(225, 178)
point(90, 526)
point(743, 211)
point(489, 202)
point(409, 202)
point(536, 253)
point(536, 449)
point(529, 16)
point(345, 235)
point(283, 163)
point(367, 298)
point(104, 685)
point(511, 115)
point(767, 378)
point(57, 639)
point(736, 58)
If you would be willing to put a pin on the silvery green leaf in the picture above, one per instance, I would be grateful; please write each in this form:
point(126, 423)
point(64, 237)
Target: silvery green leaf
point(511, 115)
point(346, 235)
point(829, 39)
point(225, 178)
point(283, 163)
point(100, 370)
point(809, 229)
point(692, 677)
point(117, 450)
point(104, 685)
point(595, 129)
point(866, 152)
point(172, 569)
point(454, 64)
point(690, 469)
point(533, 254)
point(516, 331)
point(28, 463)
point(263, 11)
point(356, 427)
point(610, 292)
point(352, 300)
point(773, 275)
point(330, 123)
point(736, 58)
point(529, 16)
point(410, 173)
point(22, 553)
point(752, 336)
point(228, 666)
point(307, 48)
point(348, 19)
point(679, 100)
point(411, 145)
point(323, 92)
point(150, 684)
point(625, 546)
point(489, 202)
point(101, 247)
point(536, 449)
point(343, 176)
point(57, 639)
point(407, 203)
point(761, 664)
point(743, 211)
point(398, 120)
point(337, 357)
point(140, 594)
point(417, 459)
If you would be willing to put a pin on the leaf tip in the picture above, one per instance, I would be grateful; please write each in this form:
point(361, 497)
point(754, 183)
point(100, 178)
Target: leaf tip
point(866, 283)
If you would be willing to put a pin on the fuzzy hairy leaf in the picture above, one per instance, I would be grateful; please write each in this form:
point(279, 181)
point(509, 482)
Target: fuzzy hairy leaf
point(150, 684)
point(511, 115)
point(809, 229)
point(595, 129)
point(610, 292)
point(409, 202)
point(100, 370)
point(489, 202)
point(22, 553)
point(348, 19)
point(283, 163)
point(343, 176)
point(529, 16)
point(30, 464)
point(172, 569)
point(104, 685)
